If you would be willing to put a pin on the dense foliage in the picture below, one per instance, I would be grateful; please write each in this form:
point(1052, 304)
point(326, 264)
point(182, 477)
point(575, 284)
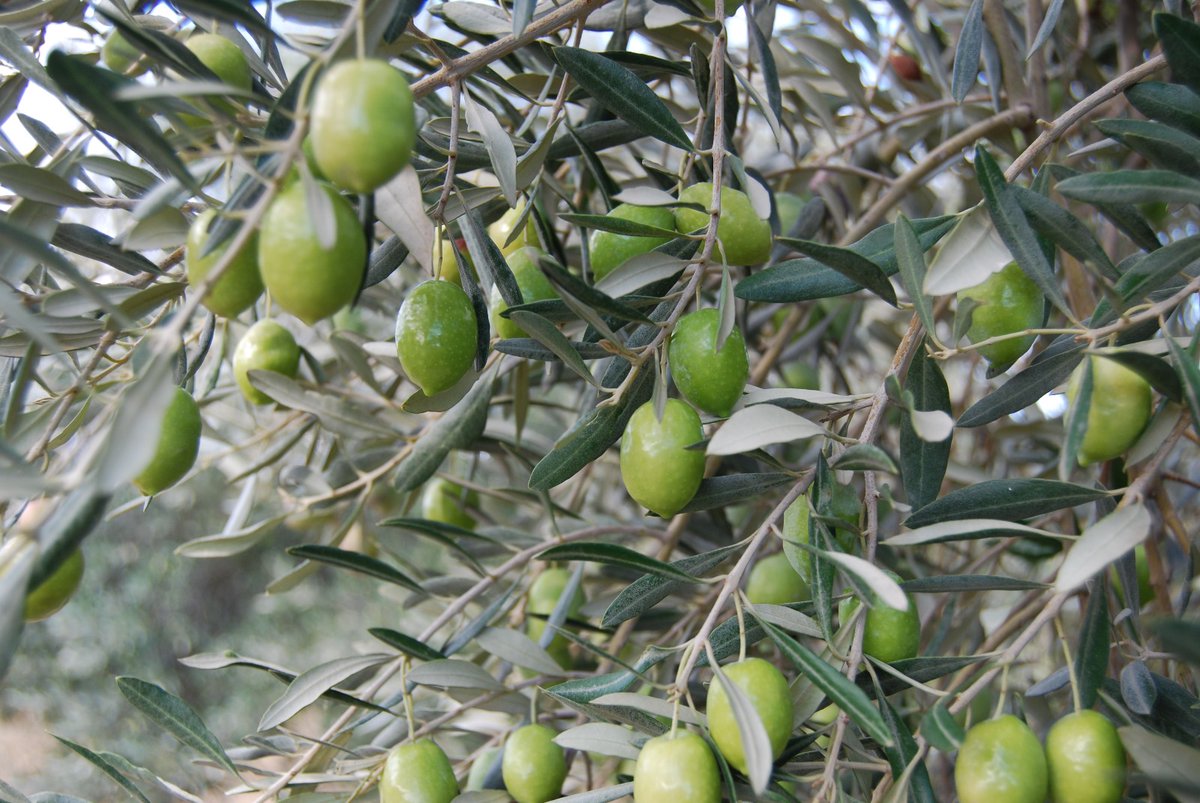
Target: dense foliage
point(910, 227)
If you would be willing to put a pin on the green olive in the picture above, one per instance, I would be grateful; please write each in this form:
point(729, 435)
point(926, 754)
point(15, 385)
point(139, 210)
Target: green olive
point(658, 469)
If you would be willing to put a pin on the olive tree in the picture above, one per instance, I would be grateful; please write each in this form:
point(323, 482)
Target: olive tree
point(920, 225)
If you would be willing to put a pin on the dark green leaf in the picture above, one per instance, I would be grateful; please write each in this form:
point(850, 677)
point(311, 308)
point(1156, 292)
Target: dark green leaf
point(865, 457)
point(902, 752)
point(406, 644)
point(849, 697)
point(622, 93)
point(1132, 186)
point(1075, 423)
point(1155, 370)
point(966, 52)
point(923, 463)
point(1010, 500)
point(1150, 273)
point(176, 717)
point(1173, 104)
point(647, 591)
point(1163, 146)
point(1137, 686)
point(1179, 637)
point(910, 259)
point(615, 555)
point(1015, 230)
point(807, 279)
point(766, 63)
point(235, 11)
point(1180, 40)
point(856, 268)
point(106, 767)
point(94, 88)
point(617, 225)
point(457, 429)
point(1046, 373)
point(569, 284)
point(1125, 216)
point(87, 242)
point(356, 562)
point(1185, 363)
point(1091, 656)
point(530, 349)
point(548, 335)
point(732, 489)
point(586, 689)
point(1055, 223)
point(963, 583)
point(941, 730)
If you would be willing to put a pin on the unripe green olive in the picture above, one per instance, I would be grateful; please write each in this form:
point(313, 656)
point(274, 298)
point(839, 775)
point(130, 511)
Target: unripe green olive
point(710, 379)
point(417, 772)
point(658, 469)
point(1120, 409)
point(534, 766)
point(1001, 761)
point(676, 767)
point(767, 690)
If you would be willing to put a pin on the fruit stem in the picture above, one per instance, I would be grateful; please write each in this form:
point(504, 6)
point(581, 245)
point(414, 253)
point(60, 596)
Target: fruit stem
point(1076, 700)
point(408, 704)
point(741, 620)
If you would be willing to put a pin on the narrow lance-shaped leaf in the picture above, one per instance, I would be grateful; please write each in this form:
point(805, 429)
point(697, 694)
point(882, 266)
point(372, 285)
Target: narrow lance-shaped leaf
point(849, 697)
point(1091, 654)
point(622, 93)
point(1011, 500)
point(101, 763)
point(966, 53)
point(615, 555)
point(176, 717)
point(356, 562)
point(850, 264)
point(911, 261)
point(755, 743)
point(1015, 230)
point(922, 462)
point(1101, 544)
point(309, 685)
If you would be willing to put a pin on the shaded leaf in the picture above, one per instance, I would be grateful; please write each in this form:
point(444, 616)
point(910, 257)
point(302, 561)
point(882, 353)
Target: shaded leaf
point(355, 561)
point(615, 555)
point(922, 462)
point(647, 591)
point(1011, 500)
point(406, 644)
point(106, 767)
point(176, 717)
point(853, 266)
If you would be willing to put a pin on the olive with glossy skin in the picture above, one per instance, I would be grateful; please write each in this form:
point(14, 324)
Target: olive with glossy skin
point(534, 287)
point(303, 277)
point(676, 768)
point(178, 445)
point(1001, 761)
point(767, 690)
point(266, 346)
point(745, 237)
point(362, 124)
point(1086, 759)
point(1005, 303)
point(502, 229)
point(658, 469)
point(223, 57)
point(533, 766)
point(435, 335)
point(240, 284)
point(544, 594)
point(889, 634)
point(53, 593)
point(417, 772)
point(710, 379)
point(447, 502)
point(1120, 409)
point(608, 250)
point(773, 581)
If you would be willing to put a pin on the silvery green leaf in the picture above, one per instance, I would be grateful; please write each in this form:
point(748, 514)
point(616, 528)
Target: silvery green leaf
point(653, 705)
point(230, 542)
point(519, 649)
point(453, 674)
point(17, 557)
point(1101, 544)
point(600, 737)
point(645, 196)
point(788, 619)
point(1165, 762)
point(762, 425)
point(498, 143)
point(755, 744)
point(176, 717)
point(309, 685)
point(133, 436)
point(970, 253)
point(399, 206)
point(643, 269)
point(887, 589)
point(961, 530)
